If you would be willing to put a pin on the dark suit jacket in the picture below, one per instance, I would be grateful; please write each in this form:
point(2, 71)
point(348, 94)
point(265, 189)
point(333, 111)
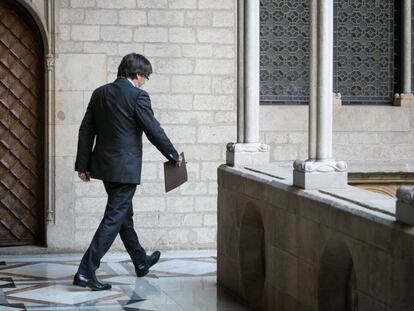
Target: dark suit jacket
point(116, 116)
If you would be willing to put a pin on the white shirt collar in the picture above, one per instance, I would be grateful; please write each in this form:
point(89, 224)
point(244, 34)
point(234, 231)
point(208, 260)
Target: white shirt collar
point(131, 82)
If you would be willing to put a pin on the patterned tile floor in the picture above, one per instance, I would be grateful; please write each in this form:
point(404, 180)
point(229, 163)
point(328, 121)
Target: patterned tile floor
point(181, 281)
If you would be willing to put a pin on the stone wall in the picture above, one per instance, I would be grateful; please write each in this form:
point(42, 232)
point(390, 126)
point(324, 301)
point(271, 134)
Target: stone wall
point(378, 135)
point(191, 44)
point(283, 248)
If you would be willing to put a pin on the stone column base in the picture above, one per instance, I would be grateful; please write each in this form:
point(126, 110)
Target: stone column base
point(404, 211)
point(404, 100)
point(314, 181)
point(243, 154)
point(327, 174)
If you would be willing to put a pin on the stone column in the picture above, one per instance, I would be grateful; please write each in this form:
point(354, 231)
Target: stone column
point(324, 80)
point(251, 70)
point(240, 75)
point(248, 150)
point(50, 127)
point(406, 46)
point(313, 78)
point(406, 97)
point(320, 170)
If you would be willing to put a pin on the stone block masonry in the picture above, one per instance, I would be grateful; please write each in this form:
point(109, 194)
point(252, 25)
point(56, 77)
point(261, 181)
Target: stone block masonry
point(380, 135)
point(283, 248)
point(191, 44)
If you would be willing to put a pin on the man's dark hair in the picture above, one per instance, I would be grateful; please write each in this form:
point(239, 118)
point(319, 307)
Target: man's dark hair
point(133, 64)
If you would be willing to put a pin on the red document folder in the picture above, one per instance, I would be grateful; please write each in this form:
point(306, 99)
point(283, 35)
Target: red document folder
point(175, 176)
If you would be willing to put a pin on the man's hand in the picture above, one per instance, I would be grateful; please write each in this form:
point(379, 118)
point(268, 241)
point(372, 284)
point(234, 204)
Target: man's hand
point(179, 162)
point(85, 176)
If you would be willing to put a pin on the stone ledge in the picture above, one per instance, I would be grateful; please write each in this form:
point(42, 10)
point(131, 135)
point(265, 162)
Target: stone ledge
point(365, 203)
point(379, 167)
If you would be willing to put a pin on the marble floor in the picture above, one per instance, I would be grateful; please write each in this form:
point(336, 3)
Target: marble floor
point(180, 281)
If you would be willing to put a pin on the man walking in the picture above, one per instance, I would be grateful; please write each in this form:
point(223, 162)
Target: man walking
point(117, 115)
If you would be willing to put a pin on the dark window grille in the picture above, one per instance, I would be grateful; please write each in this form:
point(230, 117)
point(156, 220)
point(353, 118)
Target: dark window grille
point(284, 46)
point(412, 44)
point(366, 51)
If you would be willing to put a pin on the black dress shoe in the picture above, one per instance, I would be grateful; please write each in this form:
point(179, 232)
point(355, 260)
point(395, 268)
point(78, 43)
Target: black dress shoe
point(143, 268)
point(92, 283)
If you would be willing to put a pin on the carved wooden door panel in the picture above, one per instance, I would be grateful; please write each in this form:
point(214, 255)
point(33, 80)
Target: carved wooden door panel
point(21, 128)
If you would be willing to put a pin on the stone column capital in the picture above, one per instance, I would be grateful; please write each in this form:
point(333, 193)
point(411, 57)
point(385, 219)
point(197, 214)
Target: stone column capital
point(312, 166)
point(404, 211)
point(404, 99)
point(50, 61)
point(405, 194)
point(247, 147)
point(242, 154)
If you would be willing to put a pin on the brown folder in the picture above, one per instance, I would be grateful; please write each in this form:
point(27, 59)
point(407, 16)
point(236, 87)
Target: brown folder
point(175, 176)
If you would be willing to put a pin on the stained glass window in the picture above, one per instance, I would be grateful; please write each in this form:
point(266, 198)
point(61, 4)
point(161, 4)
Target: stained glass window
point(284, 46)
point(364, 34)
point(365, 51)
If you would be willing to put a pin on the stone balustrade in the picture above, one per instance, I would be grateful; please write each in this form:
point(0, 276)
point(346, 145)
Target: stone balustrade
point(284, 248)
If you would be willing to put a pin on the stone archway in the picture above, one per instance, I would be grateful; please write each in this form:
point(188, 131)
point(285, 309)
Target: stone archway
point(252, 255)
point(337, 288)
point(22, 127)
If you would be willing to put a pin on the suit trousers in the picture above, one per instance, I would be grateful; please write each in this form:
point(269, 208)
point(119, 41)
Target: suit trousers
point(117, 219)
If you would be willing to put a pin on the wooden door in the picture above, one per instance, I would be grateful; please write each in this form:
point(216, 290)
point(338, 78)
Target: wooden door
point(21, 128)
